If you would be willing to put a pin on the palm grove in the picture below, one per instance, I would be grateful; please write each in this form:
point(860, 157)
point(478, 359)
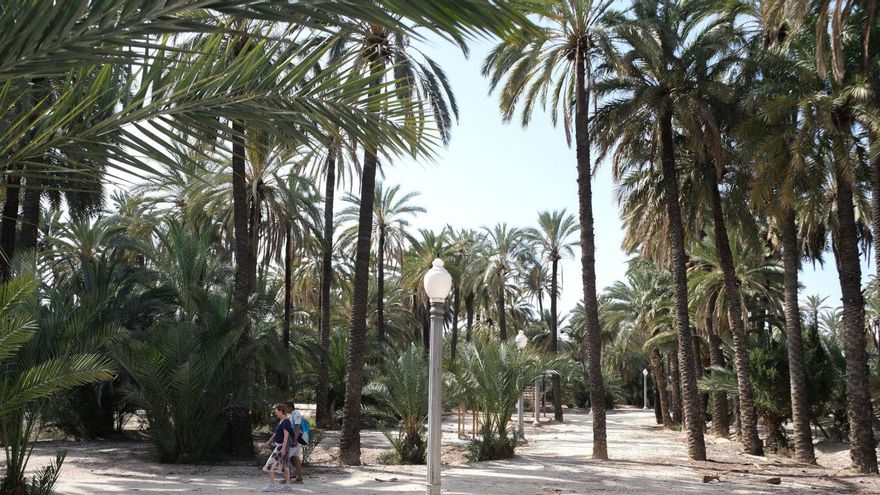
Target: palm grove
point(742, 137)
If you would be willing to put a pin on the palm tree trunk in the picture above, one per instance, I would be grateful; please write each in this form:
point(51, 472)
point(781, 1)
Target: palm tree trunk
point(380, 272)
point(8, 224)
point(239, 431)
point(698, 368)
point(674, 371)
point(658, 413)
point(426, 326)
point(875, 206)
point(696, 443)
point(737, 424)
point(554, 338)
point(660, 380)
point(469, 307)
point(748, 419)
point(456, 305)
point(720, 414)
point(30, 213)
point(502, 317)
point(287, 285)
point(323, 415)
point(588, 255)
point(350, 443)
point(416, 314)
point(803, 438)
point(862, 444)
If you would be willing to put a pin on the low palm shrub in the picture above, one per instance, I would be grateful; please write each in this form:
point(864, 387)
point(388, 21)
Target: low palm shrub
point(184, 375)
point(402, 396)
point(493, 376)
point(34, 366)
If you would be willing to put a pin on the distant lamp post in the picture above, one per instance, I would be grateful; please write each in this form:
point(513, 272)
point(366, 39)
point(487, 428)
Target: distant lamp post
point(645, 387)
point(521, 342)
point(437, 283)
point(537, 421)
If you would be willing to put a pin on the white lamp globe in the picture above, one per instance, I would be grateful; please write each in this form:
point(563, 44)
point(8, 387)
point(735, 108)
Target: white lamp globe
point(437, 282)
point(521, 340)
point(645, 372)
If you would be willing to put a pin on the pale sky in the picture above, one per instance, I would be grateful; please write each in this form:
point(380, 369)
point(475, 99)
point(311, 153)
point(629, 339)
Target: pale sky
point(494, 172)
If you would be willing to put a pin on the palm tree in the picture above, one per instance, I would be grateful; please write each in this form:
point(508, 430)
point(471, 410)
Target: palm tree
point(775, 143)
point(385, 53)
point(834, 109)
point(390, 216)
point(553, 236)
point(505, 249)
point(322, 406)
point(557, 64)
point(667, 62)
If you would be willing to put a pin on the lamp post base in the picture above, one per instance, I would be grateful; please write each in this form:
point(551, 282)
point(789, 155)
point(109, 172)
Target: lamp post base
point(432, 489)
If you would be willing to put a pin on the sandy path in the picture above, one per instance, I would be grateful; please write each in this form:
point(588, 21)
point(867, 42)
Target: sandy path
point(645, 460)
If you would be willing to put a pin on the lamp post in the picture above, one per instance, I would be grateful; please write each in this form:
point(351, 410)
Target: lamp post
point(537, 421)
point(521, 342)
point(645, 387)
point(437, 283)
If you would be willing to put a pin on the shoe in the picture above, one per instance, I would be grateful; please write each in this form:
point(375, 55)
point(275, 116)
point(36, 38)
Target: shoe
point(269, 488)
point(299, 481)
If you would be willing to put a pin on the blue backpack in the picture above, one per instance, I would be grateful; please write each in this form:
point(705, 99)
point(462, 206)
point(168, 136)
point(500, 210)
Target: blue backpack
point(304, 429)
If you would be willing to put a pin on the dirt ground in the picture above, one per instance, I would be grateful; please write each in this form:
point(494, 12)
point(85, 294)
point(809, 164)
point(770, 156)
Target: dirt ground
point(556, 460)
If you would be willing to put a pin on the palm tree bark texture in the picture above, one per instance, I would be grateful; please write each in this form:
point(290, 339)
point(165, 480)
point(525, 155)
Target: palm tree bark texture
point(322, 411)
point(803, 438)
point(748, 418)
point(690, 398)
point(588, 252)
point(380, 297)
point(239, 432)
point(554, 338)
point(660, 380)
point(720, 414)
point(862, 443)
point(350, 442)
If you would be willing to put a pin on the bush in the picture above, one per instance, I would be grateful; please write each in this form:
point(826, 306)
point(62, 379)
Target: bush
point(491, 446)
point(186, 376)
point(407, 448)
point(493, 376)
point(315, 438)
point(402, 397)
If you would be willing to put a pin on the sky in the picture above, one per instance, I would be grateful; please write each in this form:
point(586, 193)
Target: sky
point(494, 172)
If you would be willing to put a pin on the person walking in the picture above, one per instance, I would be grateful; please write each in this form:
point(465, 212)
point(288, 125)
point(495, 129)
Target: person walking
point(284, 445)
point(296, 420)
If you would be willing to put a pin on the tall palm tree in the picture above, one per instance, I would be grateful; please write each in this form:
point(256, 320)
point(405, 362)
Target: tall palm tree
point(553, 236)
point(330, 163)
point(775, 143)
point(391, 215)
point(836, 109)
point(659, 68)
point(556, 66)
point(505, 249)
point(400, 71)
